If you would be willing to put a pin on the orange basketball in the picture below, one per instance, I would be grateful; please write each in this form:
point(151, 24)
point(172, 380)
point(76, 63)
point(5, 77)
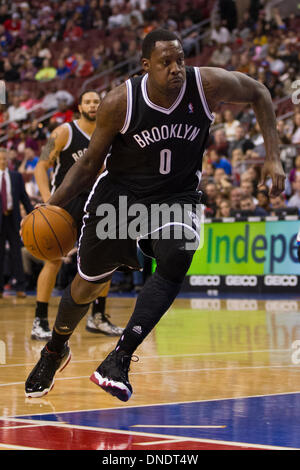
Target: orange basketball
point(49, 232)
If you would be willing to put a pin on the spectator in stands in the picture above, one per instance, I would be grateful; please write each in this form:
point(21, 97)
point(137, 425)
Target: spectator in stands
point(228, 13)
point(219, 161)
point(248, 207)
point(235, 198)
point(97, 57)
point(47, 72)
point(221, 56)
point(13, 24)
point(116, 54)
point(248, 188)
point(62, 70)
point(29, 162)
point(278, 202)
point(210, 195)
point(117, 19)
point(264, 199)
point(223, 182)
point(208, 171)
point(64, 96)
point(230, 125)
point(253, 173)
point(28, 71)
point(10, 70)
point(13, 162)
point(257, 139)
point(295, 137)
point(220, 34)
point(189, 36)
point(220, 142)
point(72, 31)
point(4, 13)
point(294, 201)
point(16, 112)
point(37, 135)
point(84, 67)
point(224, 209)
point(296, 170)
point(12, 193)
point(238, 163)
point(283, 133)
point(240, 141)
point(69, 59)
point(64, 114)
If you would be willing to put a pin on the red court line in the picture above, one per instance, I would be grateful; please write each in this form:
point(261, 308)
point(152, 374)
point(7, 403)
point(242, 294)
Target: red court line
point(51, 437)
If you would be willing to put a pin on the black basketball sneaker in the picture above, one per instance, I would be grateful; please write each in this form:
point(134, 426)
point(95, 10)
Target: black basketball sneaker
point(112, 375)
point(41, 379)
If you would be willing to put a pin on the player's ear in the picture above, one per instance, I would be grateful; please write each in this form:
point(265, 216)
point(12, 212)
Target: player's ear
point(145, 64)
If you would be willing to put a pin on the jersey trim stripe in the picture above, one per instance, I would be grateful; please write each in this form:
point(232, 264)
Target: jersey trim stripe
point(202, 94)
point(163, 226)
point(70, 136)
point(155, 106)
point(82, 132)
point(55, 175)
point(129, 107)
point(95, 278)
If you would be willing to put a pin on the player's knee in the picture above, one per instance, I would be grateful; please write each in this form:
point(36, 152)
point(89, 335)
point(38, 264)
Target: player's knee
point(54, 265)
point(175, 262)
point(84, 291)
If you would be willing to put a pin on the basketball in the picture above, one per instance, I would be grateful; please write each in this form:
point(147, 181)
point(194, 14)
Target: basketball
point(49, 232)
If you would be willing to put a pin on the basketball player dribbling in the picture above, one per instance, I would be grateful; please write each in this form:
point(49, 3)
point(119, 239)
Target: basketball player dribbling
point(156, 126)
point(66, 144)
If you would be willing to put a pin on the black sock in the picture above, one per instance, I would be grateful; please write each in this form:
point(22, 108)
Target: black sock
point(41, 310)
point(154, 300)
point(57, 342)
point(68, 316)
point(99, 305)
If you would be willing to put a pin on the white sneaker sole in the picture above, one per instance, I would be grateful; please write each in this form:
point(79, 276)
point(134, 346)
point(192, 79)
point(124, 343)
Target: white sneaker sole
point(116, 389)
point(111, 332)
point(47, 390)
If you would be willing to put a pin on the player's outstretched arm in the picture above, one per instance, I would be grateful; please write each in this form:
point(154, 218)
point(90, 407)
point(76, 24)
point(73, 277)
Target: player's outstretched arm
point(49, 154)
point(235, 87)
point(110, 119)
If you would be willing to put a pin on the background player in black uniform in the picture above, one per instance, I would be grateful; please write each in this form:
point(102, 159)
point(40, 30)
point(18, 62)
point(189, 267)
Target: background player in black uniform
point(156, 126)
point(67, 143)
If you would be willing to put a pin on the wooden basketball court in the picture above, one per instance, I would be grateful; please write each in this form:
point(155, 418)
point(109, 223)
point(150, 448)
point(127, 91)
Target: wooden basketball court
point(214, 374)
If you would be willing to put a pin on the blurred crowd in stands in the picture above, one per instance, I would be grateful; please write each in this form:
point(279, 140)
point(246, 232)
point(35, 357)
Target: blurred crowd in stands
point(46, 45)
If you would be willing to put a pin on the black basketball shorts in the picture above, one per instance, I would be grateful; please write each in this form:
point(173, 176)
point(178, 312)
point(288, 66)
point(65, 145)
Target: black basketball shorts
point(116, 222)
point(76, 209)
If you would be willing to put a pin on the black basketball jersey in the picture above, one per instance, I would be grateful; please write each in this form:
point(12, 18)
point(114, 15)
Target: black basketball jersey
point(160, 150)
point(75, 148)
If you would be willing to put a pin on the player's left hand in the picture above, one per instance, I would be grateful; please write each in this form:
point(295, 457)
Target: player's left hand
point(274, 170)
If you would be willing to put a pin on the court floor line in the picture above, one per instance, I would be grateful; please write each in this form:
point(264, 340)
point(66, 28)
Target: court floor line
point(15, 447)
point(176, 371)
point(153, 443)
point(242, 397)
point(161, 436)
point(221, 353)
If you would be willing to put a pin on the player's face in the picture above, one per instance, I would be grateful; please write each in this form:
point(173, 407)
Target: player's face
point(89, 105)
point(166, 66)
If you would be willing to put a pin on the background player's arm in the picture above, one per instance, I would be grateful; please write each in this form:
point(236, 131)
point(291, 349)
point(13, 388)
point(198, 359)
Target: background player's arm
point(110, 119)
point(49, 154)
point(235, 87)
